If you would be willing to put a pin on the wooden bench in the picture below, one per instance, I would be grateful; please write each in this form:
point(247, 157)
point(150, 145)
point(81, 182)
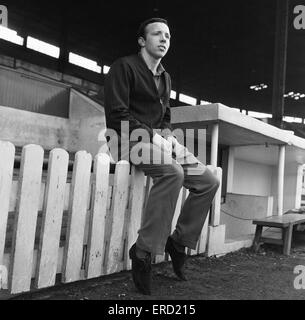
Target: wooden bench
point(285, 222)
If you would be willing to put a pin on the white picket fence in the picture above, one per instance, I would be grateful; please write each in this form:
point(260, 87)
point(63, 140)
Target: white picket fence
point(75, 225)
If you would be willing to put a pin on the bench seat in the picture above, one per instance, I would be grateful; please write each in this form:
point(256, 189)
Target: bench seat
point(285, 222)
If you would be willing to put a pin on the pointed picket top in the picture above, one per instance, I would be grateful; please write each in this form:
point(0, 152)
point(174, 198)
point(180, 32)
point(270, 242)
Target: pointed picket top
point(52, 218)
point(26, 218)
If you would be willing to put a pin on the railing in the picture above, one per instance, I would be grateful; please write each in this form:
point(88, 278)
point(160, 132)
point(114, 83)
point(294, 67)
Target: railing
point(65, 221)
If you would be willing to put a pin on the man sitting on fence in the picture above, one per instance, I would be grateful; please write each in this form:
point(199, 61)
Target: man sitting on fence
point(137, 92)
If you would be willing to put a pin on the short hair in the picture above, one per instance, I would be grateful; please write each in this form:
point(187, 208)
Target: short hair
point(142, 28)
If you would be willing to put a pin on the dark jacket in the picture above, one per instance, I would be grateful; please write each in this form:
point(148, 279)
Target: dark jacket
point(131, 95)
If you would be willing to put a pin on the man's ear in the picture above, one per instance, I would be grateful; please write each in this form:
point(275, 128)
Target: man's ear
point(141, 42)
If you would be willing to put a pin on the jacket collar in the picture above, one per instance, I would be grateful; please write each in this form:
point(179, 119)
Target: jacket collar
point(160, 68)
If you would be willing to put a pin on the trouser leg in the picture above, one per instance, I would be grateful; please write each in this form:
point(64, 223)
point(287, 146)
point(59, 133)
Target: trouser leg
point(202, 189)
point(158, 213)
point(161, 203)
point(160, 207)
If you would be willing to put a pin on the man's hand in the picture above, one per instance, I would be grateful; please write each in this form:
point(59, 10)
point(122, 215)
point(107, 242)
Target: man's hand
point(179, 150)
point(162, 143)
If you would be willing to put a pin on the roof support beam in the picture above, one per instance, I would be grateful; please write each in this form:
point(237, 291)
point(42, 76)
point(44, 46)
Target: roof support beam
point(280, 58)
point(63, 41)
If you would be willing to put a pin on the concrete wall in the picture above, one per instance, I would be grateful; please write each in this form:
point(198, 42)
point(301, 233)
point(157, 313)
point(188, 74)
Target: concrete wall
point(293, 174)
point(252, 178)
point(292, 186)
point(79, 132)
point(81, 106)
point(239, 210)
point(251, 189)
point(23, 127)
point(90, 119)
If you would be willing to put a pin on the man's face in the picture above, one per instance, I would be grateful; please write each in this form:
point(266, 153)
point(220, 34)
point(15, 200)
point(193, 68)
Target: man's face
point(157, 40)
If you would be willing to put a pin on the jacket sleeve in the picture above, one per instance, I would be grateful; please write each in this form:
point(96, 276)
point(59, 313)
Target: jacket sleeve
point(117, 91)
point(166, 122)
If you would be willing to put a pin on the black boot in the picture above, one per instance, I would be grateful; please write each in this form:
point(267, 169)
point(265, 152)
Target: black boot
point(141, 271)
point(178, 258)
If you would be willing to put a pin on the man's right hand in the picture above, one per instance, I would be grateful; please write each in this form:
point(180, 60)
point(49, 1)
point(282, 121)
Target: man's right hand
point(162, 143)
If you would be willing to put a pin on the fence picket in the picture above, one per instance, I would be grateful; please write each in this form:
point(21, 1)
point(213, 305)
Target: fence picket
point(136, 203)
point(77, 217)
point(181, 198)
point(7, 151)
point(25, 219)
point(148, 186)
point(52, 218)
point(118, 210)
point(204, 235)
point(95, 250)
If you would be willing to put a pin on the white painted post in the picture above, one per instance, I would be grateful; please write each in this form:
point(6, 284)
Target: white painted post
point(20, 272)
point(95, 250)
point(299, 186)
point(230, 174)
point(180, 201)
point(216, 205)
point(280, 185)
point(77, 217)
point(136, 206)
point(204, 236)
point(118, 210)
point(7, 152)
point(52, 219)
point(214, 144)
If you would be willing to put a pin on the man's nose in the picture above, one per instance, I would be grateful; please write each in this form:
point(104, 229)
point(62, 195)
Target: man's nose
point(162, 37)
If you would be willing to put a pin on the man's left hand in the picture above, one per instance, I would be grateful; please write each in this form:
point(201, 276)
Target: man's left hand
point(178, 149)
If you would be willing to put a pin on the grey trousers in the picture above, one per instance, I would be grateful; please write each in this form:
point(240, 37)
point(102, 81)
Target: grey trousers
point(160, 207)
